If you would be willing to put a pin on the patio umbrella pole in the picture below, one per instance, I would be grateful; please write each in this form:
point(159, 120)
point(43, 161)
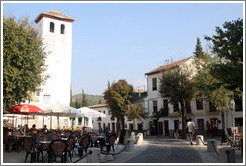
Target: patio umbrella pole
point(58, 121)
point(43, 120)
point(50, 122)
point(13, 121)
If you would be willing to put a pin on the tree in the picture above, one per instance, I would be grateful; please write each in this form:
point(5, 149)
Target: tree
point(177, 86)
point(84, 99)
point(198, 51)
point(120, 97)
point(100, 101)
point(76, 105)
point(213, 89)
point(23, 61)
point(228, 46)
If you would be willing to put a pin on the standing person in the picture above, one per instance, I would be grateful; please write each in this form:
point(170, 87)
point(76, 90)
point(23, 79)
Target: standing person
point(191, 129)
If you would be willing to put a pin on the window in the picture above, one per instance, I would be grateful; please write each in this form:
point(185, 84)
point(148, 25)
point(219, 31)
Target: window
point(238, 103)
point(176, 107)
point(46, 99)
point(165, 104)
point(140, 126)
point(200, 123)
point(212, 107)
point(62, 29)
point(130, 126)
point(155, 106)
point(52, 27)
point(154, 84)
point(108, 126)
point(199, 102)
point(188, 108)
point(79, 120)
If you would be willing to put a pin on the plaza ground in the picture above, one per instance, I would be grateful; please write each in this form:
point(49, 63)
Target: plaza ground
point(154, 149)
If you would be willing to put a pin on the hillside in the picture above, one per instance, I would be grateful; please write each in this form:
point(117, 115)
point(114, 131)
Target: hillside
point(92, 99)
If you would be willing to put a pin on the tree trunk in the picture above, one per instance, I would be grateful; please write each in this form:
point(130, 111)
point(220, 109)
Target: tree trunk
point(183, 113)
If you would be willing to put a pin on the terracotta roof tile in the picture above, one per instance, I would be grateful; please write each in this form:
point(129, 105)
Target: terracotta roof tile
point(99, 105)
point(54, 13)
point(169, 66)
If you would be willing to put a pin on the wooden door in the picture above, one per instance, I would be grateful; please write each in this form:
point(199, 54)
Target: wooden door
point(166, 127)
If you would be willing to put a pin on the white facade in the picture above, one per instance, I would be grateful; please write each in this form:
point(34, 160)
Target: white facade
point(111, 123)
point(55, 29)
point(167, 123)
point(58, 44)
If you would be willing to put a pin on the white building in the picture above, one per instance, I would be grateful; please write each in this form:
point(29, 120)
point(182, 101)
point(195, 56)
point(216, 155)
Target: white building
point(111, 122)
point(56, 31)
point(199, 111)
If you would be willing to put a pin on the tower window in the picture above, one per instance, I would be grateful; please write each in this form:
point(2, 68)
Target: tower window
point(62, 28)
point(52, 27)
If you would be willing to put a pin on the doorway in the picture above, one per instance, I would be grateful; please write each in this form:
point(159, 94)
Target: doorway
point(160, 128)
point(166, 127)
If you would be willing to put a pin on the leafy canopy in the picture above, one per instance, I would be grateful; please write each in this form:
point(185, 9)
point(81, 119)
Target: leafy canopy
point(120, 97)
point(23, 61)
point(177, 86)
point(228, 46)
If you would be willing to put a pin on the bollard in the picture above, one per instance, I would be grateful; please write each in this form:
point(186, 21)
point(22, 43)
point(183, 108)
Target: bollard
point(211, 145)
point(227, 155)
point(130, 145)
point(199, 140)
point(140, 138)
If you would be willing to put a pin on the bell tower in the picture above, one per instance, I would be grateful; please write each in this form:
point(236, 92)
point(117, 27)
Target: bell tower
point(56, 30)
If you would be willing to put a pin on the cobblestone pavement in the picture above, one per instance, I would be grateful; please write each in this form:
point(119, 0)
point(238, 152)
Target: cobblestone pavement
point(152, 150)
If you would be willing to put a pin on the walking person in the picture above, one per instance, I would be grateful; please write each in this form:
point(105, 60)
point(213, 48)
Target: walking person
point(191, 129)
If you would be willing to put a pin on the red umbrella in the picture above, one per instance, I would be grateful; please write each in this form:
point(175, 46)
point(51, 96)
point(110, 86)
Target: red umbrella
point(26, 109)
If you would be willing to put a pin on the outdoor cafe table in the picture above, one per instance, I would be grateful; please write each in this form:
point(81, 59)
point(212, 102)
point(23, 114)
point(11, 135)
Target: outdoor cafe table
point(21, 137)
point(45, 147)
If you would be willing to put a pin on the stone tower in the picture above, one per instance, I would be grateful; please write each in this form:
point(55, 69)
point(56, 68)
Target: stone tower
point(56, 31)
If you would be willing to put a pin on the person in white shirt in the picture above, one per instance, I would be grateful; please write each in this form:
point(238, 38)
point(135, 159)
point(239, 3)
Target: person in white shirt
point(191, 129)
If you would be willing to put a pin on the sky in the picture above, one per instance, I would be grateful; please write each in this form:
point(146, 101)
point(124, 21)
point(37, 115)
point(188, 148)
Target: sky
point(113, 41)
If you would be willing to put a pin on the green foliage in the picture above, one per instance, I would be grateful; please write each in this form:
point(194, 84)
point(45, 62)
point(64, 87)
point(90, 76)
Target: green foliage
point(228, 46)
point(176, 86)
point(117, 96)
point(100, 101)
point(77, 103)
point(23, 61)
point(84, 99)
point(92, 99)
point(135, 111)
point(198, 51)
point(213, 89)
